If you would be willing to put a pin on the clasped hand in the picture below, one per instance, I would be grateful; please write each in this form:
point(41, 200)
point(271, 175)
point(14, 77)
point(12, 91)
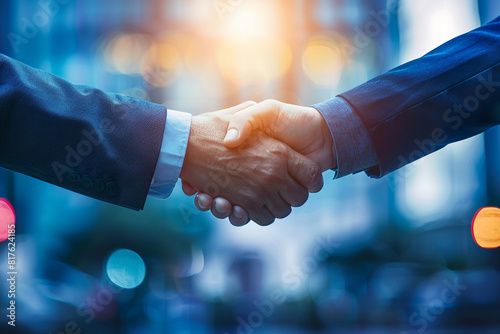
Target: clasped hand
point(256, 161)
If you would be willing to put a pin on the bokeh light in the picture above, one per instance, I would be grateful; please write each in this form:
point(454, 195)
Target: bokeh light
point(252, 48)
point(126, 269)
point(486, 227)
point(7, 219)
point(161, 64)
point(267, 59)
point(124, 52)
point(252, 20)
point(361, 256)
point(322, 61)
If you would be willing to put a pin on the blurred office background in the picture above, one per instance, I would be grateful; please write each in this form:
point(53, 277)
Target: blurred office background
point(393, 255)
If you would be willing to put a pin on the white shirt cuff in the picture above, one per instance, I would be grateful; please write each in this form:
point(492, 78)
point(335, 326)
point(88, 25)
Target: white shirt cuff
point(172, 152)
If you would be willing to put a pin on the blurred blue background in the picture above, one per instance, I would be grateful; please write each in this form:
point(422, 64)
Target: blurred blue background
point(393, 255)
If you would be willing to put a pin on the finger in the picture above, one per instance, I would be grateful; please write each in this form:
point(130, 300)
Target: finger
point(233, 110)
point(259, 116)
point(295, 196)
point(318, 185)
point(262, 216)
point(203, 201)
point(239, 216)
point(305, 171)
point(188, 189)
point(279, 208)
point(221, 208)
point(292, 192)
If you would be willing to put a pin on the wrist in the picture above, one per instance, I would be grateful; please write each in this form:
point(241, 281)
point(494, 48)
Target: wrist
point(187, 166)
point(204, 145)
point(328, 157)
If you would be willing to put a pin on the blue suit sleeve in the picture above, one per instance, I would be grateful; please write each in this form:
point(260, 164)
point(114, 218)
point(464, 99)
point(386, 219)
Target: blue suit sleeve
point(447, 95)
point(101, 145)
point(353, 148)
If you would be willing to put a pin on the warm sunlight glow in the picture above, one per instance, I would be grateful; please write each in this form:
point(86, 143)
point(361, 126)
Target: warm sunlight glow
point(251, 20)
point(252, 49)
point(161, 65)
point(125, 51)
point(266, 60)
point(322, 61)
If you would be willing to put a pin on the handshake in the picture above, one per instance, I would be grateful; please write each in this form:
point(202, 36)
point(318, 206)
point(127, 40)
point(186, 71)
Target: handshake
point(256, 161)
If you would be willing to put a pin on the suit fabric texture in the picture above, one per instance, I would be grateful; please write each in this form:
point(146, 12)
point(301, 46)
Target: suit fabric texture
point(449, 94)
point(98, 144)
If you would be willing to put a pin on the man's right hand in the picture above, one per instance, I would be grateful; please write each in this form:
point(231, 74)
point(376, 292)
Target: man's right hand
point(263, 176)
point(301, 128)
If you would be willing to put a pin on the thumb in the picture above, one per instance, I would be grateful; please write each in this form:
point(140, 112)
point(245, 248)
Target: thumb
point(305, 171)
point(241, 125)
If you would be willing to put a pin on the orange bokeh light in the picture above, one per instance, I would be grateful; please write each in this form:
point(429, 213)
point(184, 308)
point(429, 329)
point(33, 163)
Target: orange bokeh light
point(486, 227)
point(322, 61)
point(124, 52)
point(161, 64)
point(266, 59)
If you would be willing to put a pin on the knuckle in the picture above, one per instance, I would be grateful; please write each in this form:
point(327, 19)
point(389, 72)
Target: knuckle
point(270, 102)
point(270, 174)
point(314, 174)
point(277, 149)
point(274, 176)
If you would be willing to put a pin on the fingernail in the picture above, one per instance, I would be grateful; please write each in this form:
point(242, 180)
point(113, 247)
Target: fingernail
point(202, 206)
point(199, 203)
point(237, 215)
point(231, 134)
point(218, 209)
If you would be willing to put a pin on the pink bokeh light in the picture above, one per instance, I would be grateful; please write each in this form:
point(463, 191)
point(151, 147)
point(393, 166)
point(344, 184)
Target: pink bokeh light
point(7, 219)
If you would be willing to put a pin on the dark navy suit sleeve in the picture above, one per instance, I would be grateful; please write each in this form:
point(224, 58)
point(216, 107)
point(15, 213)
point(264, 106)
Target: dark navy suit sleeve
point(100, 145)
point(447, 95)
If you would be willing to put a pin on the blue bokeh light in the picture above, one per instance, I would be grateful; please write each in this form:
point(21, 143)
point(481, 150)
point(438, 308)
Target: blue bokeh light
point(126, 269)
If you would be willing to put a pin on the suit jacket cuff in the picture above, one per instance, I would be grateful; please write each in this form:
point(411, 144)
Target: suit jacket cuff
point(352, 144)
point(172, 152)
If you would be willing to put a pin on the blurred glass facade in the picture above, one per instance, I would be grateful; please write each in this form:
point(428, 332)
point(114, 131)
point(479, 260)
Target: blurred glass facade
point(393, 255)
